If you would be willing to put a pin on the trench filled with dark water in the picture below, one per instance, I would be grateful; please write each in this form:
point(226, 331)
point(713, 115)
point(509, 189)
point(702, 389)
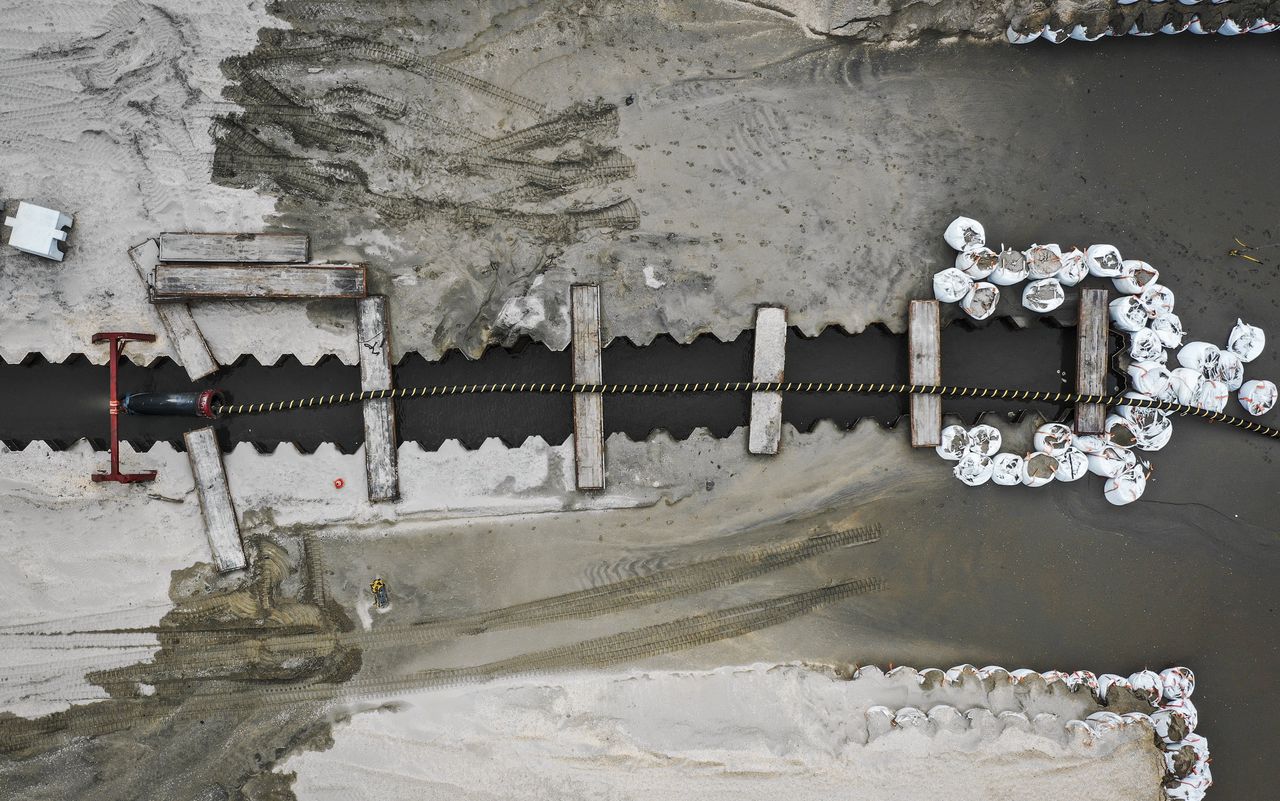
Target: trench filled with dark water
point(61, 403)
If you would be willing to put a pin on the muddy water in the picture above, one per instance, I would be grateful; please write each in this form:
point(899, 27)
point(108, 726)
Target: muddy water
point(61, 403)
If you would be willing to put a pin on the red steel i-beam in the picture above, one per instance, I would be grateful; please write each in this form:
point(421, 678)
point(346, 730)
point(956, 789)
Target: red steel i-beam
point(118, 340)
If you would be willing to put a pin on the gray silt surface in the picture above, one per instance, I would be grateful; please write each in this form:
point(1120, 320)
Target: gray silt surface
point(1047, 579)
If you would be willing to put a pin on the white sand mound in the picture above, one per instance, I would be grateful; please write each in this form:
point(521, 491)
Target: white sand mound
point(735, 733)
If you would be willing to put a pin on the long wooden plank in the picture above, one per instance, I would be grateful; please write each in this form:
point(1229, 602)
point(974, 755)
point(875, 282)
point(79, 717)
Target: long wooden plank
point(278, 248)
point(1091, 359)
point(251, 281)
point(588, 409)
point(765, 428)
point(220, 523)
point(188, 341)
point(382, 471)
point(924, 341)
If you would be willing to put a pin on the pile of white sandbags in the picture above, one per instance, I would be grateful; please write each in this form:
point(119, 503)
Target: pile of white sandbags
point(1186, 753)
point(1192, 24)
point(979, 272)
point(1144, 311)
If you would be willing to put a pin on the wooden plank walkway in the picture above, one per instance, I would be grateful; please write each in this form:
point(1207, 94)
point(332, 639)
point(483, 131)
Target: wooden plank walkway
point(220, 523)
point(381, 465)
point(188, 341)
point(1091, 359)
point(765, 428)
point(282, 248)
point(588, 409)
point(251, 281)
point(924, 332)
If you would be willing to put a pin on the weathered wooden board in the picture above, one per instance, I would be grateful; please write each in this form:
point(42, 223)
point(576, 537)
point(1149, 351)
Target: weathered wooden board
point(765, 428)
point(382, 469)
point(1091, 359)
point(588, 409)
point(189, 343)
point(924, 340)
point(220, 523)
point(279, 248)
point(249, 281)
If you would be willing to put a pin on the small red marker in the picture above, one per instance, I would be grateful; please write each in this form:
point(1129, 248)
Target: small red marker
point(339, 483)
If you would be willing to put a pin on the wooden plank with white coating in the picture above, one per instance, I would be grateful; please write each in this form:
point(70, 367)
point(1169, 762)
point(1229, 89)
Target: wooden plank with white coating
point(257, 281)
point(220, 523)
point(382, 471)
point(765, 429)
point(188, 341)
point(588, 409)
point(1091, 359)
point(924, 331)
point(268, 248)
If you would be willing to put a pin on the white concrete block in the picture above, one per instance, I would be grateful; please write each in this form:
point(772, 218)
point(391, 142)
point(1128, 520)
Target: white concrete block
point(37, 230)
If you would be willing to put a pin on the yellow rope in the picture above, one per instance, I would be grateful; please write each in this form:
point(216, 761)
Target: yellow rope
point(746, 386)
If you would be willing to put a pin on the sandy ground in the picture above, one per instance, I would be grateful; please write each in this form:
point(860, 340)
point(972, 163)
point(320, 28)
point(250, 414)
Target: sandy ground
point(728, 733)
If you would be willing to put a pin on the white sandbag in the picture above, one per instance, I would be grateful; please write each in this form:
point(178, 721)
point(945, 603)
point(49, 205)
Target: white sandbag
point(1180, 27)
point(951, 285)
point(909, 717)
point(1147, 684)
point(985, 440)
point(1263, 26)
point(1104, 722)
point(1072, 465)
point(1178, 683)
point(1053, 438)
point(1149, 378)
point(1128, 314)
point(1083, 680)
point(1043, 296)
point(1021, 38)
point(1011, 268)
point(1186, 384)
point(1089, 444)
point(1128, 486)
point(1055, 35)
point(1134, 276)
point(974, 469)
point(1043, 261)
point(1081, 35)
point(1144, 345)
point(1120, 431)
point(1213, 395)
point(1170, 726)
point(955, 674)
point(964, 233)
point(1006, 469)
point(1229, 27)
point(1257, 397)
point(1157, 299)
point(1141, 417)
point(1108, 680)
point(1038, 469)
point(1104, 261)
point(1196, 28)
point(1074, 269)
point(1021, 673)
point(1188, 710)
point(981, 301)
point(1196, 742)
point(977, 263)
point(1169, 328)
point(1155, 436)
point(1199, 356)
point(955, 441)
point(1246, 341)
point(1229, 370)
point(1112, 461)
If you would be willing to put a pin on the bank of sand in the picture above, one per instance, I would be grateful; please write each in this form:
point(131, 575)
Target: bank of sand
point(754, 732)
